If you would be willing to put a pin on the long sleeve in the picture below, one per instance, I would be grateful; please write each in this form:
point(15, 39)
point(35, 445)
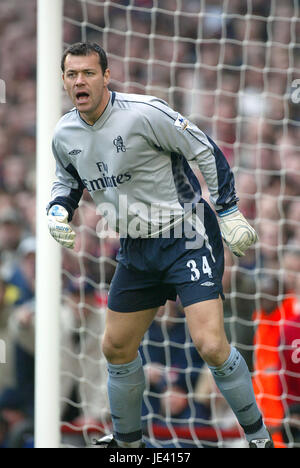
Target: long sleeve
point(68, 187)
point(175, 134)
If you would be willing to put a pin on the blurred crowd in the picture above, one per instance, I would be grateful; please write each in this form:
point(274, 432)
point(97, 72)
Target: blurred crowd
point(231, 67)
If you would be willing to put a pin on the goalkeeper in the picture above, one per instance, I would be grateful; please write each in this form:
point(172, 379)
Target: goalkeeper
point(135, 147)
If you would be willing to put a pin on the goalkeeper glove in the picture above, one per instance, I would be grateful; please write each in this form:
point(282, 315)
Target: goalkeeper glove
point(59, 228)
point(237, 232)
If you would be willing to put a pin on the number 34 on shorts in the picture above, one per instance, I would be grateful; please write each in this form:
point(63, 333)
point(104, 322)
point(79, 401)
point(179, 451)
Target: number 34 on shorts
point(196, 269)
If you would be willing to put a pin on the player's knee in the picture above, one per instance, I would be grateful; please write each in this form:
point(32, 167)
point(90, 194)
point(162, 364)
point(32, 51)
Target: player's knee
point(115, 351)
point(214, 351)
point(112, 348)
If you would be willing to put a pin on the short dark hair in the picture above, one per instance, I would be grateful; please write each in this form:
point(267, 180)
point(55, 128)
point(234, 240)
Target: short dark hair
point(85, 48)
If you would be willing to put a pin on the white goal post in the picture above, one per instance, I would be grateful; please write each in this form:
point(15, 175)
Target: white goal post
point(48, 271)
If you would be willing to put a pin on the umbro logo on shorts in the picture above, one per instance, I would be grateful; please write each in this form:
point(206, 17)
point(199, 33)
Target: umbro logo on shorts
point(208, 283)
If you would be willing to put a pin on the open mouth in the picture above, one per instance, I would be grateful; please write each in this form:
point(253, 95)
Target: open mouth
point(82, 97)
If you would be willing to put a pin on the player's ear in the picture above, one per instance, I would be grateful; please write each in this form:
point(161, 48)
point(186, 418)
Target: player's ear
point(106, 77)
point(63, 78)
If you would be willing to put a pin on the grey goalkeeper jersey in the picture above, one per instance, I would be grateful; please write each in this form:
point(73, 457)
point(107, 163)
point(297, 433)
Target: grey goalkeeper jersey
point(134, 162)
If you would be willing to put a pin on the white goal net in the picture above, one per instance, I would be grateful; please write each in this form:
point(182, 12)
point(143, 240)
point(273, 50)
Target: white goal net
point(233, 68)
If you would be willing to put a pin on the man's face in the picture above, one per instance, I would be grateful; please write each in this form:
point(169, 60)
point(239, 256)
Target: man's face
point(86, 85)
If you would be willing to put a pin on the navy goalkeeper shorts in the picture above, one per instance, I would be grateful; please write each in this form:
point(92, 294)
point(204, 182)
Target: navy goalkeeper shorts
point(153, 270)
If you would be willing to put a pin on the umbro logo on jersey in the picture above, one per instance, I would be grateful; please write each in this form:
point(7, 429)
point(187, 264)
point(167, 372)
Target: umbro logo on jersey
point(75, 152)
point(208, 283)
point(119, 144)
